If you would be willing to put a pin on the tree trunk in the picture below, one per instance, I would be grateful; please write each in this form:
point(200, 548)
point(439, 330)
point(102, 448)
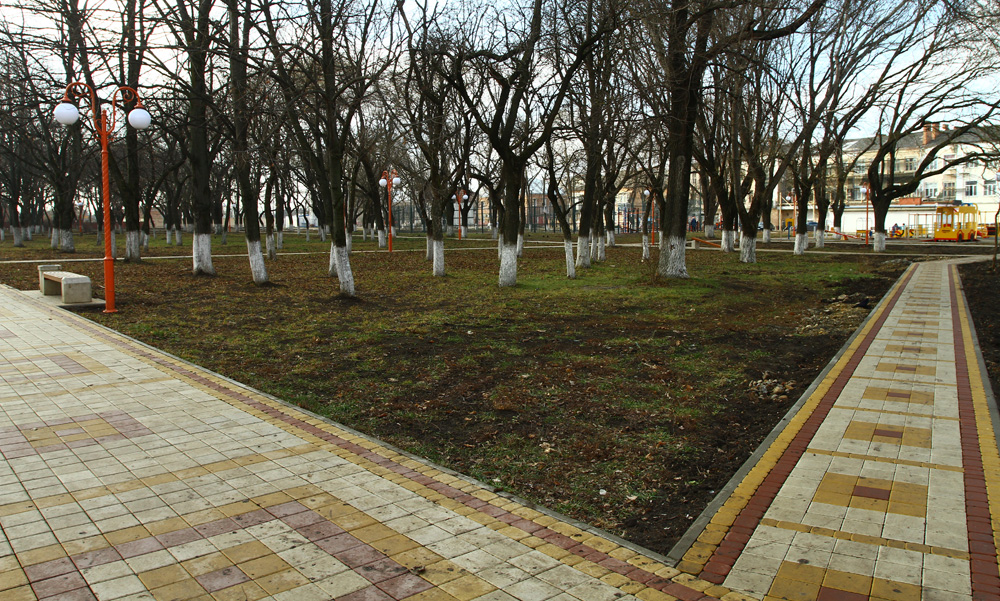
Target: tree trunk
point(801, 243)
point(133, 245)
point(748, 248)
point(570, 263)
point(439, 258)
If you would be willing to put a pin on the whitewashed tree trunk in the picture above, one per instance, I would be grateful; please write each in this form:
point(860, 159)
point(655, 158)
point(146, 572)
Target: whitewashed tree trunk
point(594, 257)
point(450, 231)
point(364, 234)
point(114, 244)
point(508, 265)
point(611, 238)
point(570, 263)
point(728, 241)
point(177, 237)
point(710, 231)
point(281, 241)
point(350, 243)
point(520, 245)
point(18, 234)
point(583, 252)
point(54, 239)
point(27, 234)
point(332, 267)
point(257, 267)
point(272, 253)
point(322, 234)
point(645, 247)
point(767, 236)
point(820, 238)
point(878, 242)
point(3, 234)
point(133, 245)
point(672, 257)
point(430, 248)
point(601, 250)
point(439, 258)
point(393, 230)
point(66, 241)
point(748, 249)
point(144, 241)
point(382, 242)
point(801, 243)
point(225, 236)
point(344, 273)
point(493, 232)
point(500, 248)
point(201, 253)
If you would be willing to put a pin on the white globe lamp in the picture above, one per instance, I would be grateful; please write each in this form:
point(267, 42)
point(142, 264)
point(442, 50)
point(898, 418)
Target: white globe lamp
point(66, 113)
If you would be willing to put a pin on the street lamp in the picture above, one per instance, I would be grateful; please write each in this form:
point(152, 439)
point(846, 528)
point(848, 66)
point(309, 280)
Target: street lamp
point(996, 218)
point(788, 230)
point(67, 113)
point(388, 183)
point(459, 198)
point(652, 214)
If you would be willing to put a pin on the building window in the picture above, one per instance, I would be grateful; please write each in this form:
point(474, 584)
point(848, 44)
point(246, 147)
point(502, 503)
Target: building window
point(860, 167)
point(970, 188)
point(930, 191)
point(911, 164)
point(989, 188)
point(858, 193)
point(949, 189)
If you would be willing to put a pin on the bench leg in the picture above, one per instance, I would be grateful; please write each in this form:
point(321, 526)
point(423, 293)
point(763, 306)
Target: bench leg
point(51, 288)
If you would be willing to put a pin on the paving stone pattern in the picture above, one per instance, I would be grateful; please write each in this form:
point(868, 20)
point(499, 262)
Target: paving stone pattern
point(886, 483)
point(128, 474)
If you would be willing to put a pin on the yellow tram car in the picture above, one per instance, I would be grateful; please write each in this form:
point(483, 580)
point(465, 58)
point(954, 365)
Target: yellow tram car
point(956, 223)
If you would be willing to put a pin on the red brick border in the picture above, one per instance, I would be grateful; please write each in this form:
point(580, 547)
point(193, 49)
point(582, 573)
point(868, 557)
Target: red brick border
point(982, 545)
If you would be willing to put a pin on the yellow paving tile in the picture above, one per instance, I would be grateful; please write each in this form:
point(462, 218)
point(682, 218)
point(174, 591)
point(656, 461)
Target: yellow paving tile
point(21, 593)
point(280, 582)
point(441, 572)
point(262, 566)
point(247, 551)
point(41, 555)
point(127, 535)
point(247, 591)
point(207, 563)
point(12, 579)
point(163, 576)
point(181, 590)
point(467, 587)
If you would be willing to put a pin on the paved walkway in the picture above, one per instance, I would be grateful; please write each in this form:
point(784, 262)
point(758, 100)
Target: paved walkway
point(129, 474)
point(885, 484)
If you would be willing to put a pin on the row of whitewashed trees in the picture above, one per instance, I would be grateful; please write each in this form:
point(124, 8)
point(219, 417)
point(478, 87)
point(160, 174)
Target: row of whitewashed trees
point(260, 104)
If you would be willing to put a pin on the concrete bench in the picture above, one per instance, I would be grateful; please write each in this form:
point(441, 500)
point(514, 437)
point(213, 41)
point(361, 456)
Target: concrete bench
point(72, 287)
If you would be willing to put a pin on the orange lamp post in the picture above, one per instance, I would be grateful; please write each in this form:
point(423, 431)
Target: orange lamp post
point(67, 113)
point(387, 183)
